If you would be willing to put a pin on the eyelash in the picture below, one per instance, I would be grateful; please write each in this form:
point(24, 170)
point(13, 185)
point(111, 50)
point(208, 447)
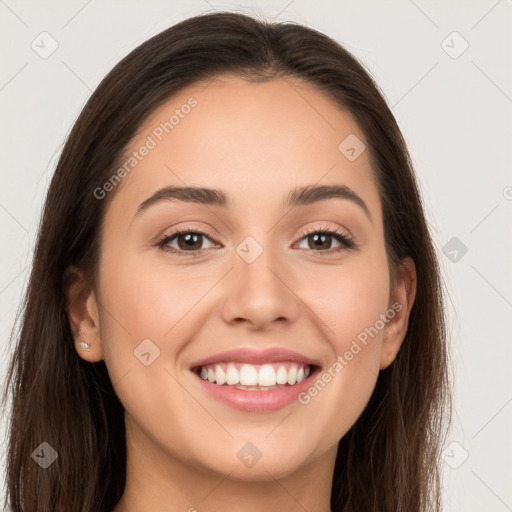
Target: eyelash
point(346, 242)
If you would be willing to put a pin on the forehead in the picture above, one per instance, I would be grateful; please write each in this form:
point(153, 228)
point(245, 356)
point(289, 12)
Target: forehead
point(252, 139)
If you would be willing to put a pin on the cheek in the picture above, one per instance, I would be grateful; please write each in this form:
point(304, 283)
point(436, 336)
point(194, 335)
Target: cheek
point(145, 308)
point(355, 312)
point(150, 299)
point(348, 298)
point(348, 302)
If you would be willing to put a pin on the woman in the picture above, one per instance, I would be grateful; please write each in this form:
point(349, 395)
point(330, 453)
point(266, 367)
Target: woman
point(235, 301)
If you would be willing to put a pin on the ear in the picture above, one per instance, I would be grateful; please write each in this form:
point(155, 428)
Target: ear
point(82, 310)
point(401, 303)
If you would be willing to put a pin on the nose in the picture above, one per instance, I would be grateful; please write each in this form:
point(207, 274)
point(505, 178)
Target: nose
point(261, 293)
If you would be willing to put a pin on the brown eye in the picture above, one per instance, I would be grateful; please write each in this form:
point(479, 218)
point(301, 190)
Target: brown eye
point(322, 241)
point(187, 240)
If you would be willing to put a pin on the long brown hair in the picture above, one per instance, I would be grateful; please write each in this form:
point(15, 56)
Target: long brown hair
point(390, 459)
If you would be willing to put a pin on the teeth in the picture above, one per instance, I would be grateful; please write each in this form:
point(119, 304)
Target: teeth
point(248, 375)
point(220, 375)
point(282, 375)
point(255, 377)
point(232, 376)
point(252, 388)
point(267, 375)
point(292, 375)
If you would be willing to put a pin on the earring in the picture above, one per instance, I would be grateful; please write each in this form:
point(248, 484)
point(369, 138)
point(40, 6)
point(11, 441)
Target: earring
point(84, 346)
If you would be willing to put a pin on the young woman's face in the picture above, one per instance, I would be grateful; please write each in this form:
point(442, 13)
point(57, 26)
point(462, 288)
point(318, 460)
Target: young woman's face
point(261, 274)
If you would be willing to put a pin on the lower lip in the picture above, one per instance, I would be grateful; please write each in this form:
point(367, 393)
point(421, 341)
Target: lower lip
point(256, 401)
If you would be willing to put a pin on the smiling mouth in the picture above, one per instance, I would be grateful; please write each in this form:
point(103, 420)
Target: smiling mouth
point(256, 377)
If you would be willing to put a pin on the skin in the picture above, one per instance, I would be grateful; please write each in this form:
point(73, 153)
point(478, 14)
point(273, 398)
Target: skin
point(255, 142)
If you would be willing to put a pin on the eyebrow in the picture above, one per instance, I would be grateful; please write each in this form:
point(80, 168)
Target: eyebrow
point(298, 197)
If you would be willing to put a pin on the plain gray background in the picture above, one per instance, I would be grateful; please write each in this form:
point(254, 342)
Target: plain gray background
point(452, 103)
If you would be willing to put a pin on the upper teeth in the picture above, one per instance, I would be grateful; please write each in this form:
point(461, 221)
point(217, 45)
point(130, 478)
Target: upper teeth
point(255, 375)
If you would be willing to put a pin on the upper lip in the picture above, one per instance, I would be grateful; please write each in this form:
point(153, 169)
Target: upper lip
point(252, 356)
